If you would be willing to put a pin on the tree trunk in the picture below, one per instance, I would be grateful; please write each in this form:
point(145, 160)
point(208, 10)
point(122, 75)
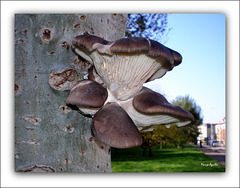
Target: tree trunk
point(150, 151)
point(49, 136)
point(161, 145)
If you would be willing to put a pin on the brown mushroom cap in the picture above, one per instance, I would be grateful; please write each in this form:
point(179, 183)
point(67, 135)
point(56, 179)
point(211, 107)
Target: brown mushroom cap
point(149, 102)
point(130, 45)
point(87, 41)
point(112, 126)
point(87, 93)
point(124, 65)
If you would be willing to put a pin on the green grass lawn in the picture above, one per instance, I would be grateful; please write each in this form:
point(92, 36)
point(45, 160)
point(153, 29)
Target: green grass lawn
point(165, 160)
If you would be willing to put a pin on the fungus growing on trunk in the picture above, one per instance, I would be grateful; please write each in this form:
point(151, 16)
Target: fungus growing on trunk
point(113, 126)
point(88, 96)
point(124, 65)
point(154, 109)
point(115, 96)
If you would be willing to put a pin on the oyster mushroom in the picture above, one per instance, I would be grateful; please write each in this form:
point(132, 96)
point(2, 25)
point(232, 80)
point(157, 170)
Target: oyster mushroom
point(149, 108)
point(113, 126)
point(115, 96)
point(124, 65)
point(88, 96)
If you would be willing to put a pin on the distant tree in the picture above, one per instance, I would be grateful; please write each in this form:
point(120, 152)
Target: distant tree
point(159, 136)
point(152, 26)
point(148, 141)
point(188, 133)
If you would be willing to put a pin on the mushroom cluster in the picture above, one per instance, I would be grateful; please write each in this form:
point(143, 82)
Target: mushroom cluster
point(114, 94)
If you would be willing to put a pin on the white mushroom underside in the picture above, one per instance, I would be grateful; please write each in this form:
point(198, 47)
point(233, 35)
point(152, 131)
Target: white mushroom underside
point(124, 75)
point(88, 110)
point(142, 121)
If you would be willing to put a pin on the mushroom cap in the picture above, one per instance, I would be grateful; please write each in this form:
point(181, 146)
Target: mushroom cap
point(87, 41)
point(125, 64)
point(130, 45)
point(127, 45)
point(112, 126)
point(150, 103)
point(87, 93)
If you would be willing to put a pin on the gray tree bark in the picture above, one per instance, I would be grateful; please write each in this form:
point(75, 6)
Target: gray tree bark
point(49, 136)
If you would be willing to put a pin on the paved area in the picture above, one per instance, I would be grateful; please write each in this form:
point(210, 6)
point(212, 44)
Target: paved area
point(217, 153)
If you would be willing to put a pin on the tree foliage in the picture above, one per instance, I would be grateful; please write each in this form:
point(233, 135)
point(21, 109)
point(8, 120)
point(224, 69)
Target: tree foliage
point(152, 26)
point(189, 104)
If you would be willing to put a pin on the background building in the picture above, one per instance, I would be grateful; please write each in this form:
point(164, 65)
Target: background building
point(212, 131)
point(220, 131)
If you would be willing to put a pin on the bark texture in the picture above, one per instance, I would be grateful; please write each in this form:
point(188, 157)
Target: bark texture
point(49, 136)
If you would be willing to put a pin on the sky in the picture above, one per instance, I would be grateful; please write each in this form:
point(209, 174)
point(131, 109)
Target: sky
point(200, 39)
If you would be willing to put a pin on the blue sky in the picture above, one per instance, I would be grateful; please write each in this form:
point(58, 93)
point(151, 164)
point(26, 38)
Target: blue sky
point(200, 39)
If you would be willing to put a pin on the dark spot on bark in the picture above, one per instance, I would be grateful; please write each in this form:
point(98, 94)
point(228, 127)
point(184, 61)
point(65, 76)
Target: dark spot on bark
point(90, 139)
point(64, 109)
point(46, 35)
point(97, 166)
point(25, 32)
point(68, 128)
point(51, 52)
point(19, 41)
point(66, 161)
point(83, 18)
point(76, 26)
point(65, 45)
point(17, 89)
point(29, 129)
